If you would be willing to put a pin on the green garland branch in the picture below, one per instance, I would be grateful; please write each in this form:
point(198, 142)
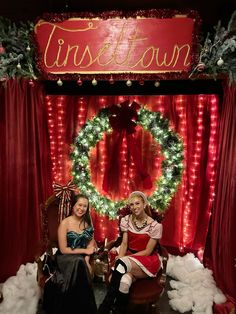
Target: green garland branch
point(217, 57)
point(172, 165)
point(218, 53)
point(17, 58)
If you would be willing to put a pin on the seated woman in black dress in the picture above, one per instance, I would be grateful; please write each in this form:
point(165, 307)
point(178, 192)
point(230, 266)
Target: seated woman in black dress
point(70, 289)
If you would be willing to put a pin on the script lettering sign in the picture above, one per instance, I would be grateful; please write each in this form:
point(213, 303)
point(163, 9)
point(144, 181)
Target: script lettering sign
point(117, 45)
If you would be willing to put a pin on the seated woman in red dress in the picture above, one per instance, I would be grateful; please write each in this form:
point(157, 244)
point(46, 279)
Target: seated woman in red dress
point(137, 258)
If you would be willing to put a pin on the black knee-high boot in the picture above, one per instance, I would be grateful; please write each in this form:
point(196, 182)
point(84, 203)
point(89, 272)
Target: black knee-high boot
point(111, 294)
point(112, 290)
point(121, 303)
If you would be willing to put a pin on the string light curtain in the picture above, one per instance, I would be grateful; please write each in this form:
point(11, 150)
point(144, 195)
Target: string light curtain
point(193, 117)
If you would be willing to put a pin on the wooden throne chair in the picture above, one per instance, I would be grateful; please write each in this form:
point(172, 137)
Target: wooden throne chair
point(49, 225)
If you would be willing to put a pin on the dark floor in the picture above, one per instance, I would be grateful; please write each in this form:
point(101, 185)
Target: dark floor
point(162, 308)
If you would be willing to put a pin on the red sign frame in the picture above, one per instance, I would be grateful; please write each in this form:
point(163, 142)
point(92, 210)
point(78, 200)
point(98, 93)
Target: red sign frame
point(143, 45)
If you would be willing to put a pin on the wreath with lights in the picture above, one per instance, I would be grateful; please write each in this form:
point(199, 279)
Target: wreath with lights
point(172, 166)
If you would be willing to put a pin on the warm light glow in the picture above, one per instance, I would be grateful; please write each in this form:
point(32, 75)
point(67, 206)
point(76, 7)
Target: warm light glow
point(204, 106)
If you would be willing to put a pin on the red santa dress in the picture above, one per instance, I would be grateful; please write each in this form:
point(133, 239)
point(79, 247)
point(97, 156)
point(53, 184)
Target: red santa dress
point(137, 241)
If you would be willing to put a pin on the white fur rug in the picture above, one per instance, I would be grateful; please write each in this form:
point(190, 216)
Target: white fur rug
point(194, 288)
point(21, 292)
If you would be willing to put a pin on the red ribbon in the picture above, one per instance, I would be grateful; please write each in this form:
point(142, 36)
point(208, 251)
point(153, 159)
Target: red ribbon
point(123, 121)
point(124, 116)
point(64, 192)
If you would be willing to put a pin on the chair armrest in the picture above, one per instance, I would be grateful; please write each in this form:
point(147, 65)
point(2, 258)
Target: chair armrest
point(163, 280)
point(165, 256)
point(163, 251)
point(164, 265)
point(114, 243)
point(40, 277)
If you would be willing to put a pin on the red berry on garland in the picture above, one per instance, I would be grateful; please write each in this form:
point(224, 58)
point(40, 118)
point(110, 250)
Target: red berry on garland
point(79, 82)
point(31, 82)
point(2, 49)
point(111, 80)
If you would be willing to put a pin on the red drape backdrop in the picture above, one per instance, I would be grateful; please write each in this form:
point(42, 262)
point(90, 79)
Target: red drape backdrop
point(193, 117)
point(221, 245)
point(25, 172)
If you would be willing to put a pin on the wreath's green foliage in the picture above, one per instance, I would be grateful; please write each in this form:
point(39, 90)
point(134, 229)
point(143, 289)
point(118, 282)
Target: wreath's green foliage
point(172, 166)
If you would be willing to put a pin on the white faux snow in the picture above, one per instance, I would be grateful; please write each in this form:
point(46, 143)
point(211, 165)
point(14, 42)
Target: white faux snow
point(21, 292)
point(194, 288)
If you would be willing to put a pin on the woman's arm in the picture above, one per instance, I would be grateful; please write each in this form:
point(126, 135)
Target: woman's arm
point(124, 245)
point(92, 243)
point(62, 242)
point(149, 248)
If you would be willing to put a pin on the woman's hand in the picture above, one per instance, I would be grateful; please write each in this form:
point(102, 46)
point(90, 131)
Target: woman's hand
point(90, 250)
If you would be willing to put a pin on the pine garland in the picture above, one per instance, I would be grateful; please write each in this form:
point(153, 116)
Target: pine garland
point(17, 57)
point(218, 53)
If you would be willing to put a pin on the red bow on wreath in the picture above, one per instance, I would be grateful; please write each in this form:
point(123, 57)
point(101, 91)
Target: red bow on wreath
point(64, 192)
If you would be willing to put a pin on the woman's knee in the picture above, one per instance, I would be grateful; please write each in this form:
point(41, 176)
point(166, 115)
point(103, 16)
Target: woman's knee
point(123, 265)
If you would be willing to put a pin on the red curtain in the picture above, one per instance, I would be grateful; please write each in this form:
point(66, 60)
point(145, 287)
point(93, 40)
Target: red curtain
point(26, 168)
point(193, 117)
point(221, 253)
point(25, 172)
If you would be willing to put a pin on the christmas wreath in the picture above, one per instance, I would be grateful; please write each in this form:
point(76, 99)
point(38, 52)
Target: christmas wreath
point(171, 147)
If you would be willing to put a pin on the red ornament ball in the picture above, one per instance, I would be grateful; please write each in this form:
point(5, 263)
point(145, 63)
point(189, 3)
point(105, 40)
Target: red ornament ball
point(2, 49)
point(111, 80)
point(79, 82)
point(31, 83)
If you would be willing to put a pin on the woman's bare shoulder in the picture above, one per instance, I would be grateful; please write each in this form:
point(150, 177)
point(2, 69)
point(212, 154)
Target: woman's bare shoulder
point(65, 222)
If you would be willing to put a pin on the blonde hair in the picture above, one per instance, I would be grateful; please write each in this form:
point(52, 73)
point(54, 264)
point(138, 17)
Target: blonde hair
point(140, 194)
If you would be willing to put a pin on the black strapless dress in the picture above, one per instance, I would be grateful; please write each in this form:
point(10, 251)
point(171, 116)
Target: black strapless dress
point(70, 289)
